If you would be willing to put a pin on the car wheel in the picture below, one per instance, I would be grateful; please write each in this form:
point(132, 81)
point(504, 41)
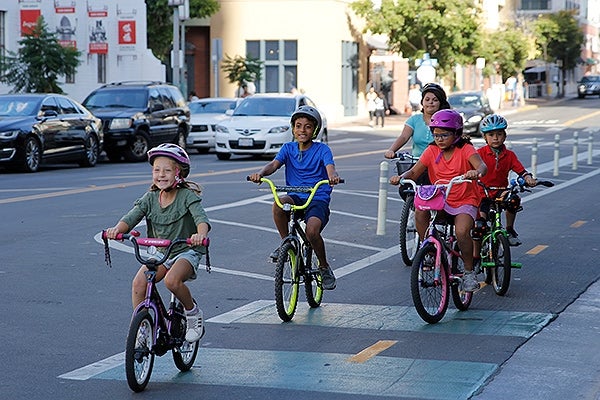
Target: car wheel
point(32, 155)
point(92, 152)
point(223, 156)
point(138, 149)
point(180, 140)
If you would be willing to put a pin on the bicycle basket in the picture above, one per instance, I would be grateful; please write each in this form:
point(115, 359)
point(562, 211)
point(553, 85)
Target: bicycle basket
point(403, 166)
point(429, 197)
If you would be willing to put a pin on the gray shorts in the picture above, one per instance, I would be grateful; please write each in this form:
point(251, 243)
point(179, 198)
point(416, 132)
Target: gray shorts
point(192, 256)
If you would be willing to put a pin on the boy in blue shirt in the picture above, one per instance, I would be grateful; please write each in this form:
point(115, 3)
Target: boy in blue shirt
point(307, 162)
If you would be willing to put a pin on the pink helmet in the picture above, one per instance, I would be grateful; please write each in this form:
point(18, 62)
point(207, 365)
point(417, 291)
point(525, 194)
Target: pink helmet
point(174, 152)
point(447, 119)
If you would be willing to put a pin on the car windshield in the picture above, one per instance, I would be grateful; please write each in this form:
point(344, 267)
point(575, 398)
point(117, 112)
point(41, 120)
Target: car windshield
point(117, 98)
point(266, 106)
point(464, 101)
point(19, 107)
point(211, 107)
point(591, 79)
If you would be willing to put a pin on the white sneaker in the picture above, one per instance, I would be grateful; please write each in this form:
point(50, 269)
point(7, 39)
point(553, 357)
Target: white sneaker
point(470, 281)
point(195, 327)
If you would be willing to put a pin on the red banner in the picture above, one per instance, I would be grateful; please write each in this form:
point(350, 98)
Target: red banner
point(29, 18)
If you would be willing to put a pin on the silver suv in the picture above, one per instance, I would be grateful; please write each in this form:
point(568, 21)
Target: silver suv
point(137, 116)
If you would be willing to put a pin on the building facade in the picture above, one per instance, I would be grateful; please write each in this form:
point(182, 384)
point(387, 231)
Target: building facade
point(111, 36)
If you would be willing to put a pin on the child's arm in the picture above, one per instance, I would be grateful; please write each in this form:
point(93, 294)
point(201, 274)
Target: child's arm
point(120, 227)
point(265, 171)
point(332, 174)
point(202, 233)
point(479, 167)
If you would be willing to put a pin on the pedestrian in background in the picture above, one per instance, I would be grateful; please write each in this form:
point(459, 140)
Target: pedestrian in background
point(381, 108)
point(371, 97)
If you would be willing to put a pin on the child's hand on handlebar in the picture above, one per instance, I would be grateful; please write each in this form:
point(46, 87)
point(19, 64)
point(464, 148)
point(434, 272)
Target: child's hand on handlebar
point(472, 174)
point(334, 180)
point(389, 154)
point(197, 239)
point(111, 233)
point(395, 180)
point(255, 177)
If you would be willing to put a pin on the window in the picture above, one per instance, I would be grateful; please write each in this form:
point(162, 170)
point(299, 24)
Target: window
point(101, 68)
point(67, 106)
point(536, 4)
point(280, 68)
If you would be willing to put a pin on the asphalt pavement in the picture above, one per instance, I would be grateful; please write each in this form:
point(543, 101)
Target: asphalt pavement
point(562, 361)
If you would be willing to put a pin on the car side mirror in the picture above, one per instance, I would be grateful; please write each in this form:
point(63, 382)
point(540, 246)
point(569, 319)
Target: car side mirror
point(229, 113)
point(49, 113)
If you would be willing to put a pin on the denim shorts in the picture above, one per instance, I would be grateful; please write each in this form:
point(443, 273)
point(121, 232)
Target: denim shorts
point(192, 256)
point(316, 208)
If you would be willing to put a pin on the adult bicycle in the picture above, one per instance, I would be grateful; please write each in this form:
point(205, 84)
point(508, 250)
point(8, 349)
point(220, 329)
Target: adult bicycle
point(495, 251)
point(155, 329)
point(408, 236)
point(438, 267)
point(296, 262)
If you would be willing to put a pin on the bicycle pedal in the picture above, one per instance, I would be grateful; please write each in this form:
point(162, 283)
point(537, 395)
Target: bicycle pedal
point(516, 265)
point(488, 264)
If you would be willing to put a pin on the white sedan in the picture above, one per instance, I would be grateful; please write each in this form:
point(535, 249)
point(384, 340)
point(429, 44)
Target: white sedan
point(205, 114)
point(260, 125)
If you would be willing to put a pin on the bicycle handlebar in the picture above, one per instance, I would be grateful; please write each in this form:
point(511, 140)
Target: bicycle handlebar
point(446, 186)
point(298, 189)
point(404, 156)
point(517, 185)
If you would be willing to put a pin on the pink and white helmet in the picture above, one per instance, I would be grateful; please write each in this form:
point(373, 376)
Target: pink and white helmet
point(174, 152)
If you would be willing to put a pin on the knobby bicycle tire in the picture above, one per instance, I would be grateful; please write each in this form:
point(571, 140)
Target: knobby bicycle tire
point(500, 272)
point(430, 295)
point(287, 281)
point(461, 298)
point(313, 286)
point(139, 358)
point(408, 231)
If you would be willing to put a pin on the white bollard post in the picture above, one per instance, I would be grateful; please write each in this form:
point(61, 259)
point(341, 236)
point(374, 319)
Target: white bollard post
point(575, 151)
point(534, 156)
point(590, 148)
point(556, 153)
point(382, 204)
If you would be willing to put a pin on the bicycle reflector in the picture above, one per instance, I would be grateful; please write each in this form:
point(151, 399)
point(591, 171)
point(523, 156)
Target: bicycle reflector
point(512, 203)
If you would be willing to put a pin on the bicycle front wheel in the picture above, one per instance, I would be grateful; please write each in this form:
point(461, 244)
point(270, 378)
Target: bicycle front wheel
point(287, 281)
point(139, 358)
point(500, 271)
point(313, 286)
point(409, 238)
point(429, 292)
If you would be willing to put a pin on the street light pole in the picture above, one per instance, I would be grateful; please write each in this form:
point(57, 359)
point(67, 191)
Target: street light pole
point(175, 53)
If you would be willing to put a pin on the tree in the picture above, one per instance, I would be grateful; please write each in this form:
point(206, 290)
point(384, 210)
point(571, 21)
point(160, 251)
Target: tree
point(507, 48)
point(160, 23)
point(39, 62)
point(241, 70)
point(447, 30)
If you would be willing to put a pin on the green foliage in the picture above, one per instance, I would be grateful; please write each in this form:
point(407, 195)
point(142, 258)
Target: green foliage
point(561, 37)
point(508, 49)
point(239, 69)
point(447, 30)
point(160, 23)
point(39, 62)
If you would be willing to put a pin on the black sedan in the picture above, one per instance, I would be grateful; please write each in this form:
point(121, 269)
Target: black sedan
point(473, 106)
point(37, 128)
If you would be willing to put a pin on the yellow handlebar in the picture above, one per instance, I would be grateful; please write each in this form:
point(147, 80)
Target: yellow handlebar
point(302, 189)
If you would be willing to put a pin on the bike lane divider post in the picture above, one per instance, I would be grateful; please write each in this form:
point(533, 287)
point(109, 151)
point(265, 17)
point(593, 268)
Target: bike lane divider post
point(382, 203)
point(575, 146)
point(534, 157)
point(590, 148)
point(556, 154)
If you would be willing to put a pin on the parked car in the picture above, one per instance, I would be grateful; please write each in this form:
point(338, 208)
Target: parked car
point(473, 106)
point(205, 114)
point(260, 125)
point(588, 86)
point(137, 116)
point(36, 128)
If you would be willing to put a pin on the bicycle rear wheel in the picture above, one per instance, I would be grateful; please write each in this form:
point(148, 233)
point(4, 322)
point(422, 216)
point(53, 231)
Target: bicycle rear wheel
point(409, 239)
point(139, 358)
point(500, 271)
point(429, 293)
point(313, 287)
point(461, 298)
point(287, 281)
point(184, 355)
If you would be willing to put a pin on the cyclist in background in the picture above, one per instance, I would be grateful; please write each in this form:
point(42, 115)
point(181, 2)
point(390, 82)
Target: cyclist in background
point(306, 162)
point(500, 161)
point(172, 208)
point(451, 155)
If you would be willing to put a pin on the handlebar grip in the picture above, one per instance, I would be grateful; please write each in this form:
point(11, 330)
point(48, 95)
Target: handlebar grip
point(205, 242)
point(546, 183)
point(342, 181)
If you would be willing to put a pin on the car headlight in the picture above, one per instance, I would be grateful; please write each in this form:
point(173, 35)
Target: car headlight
point(9, 134)
point(279, 129)
point(221, 129)
point(120, 123)
point(581, 87)
point(475, 119)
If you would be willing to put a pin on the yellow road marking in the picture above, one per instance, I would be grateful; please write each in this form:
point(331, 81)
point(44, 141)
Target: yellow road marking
point(577, 224)
point(537, 249)
point(372, 351)
point(578, 119)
